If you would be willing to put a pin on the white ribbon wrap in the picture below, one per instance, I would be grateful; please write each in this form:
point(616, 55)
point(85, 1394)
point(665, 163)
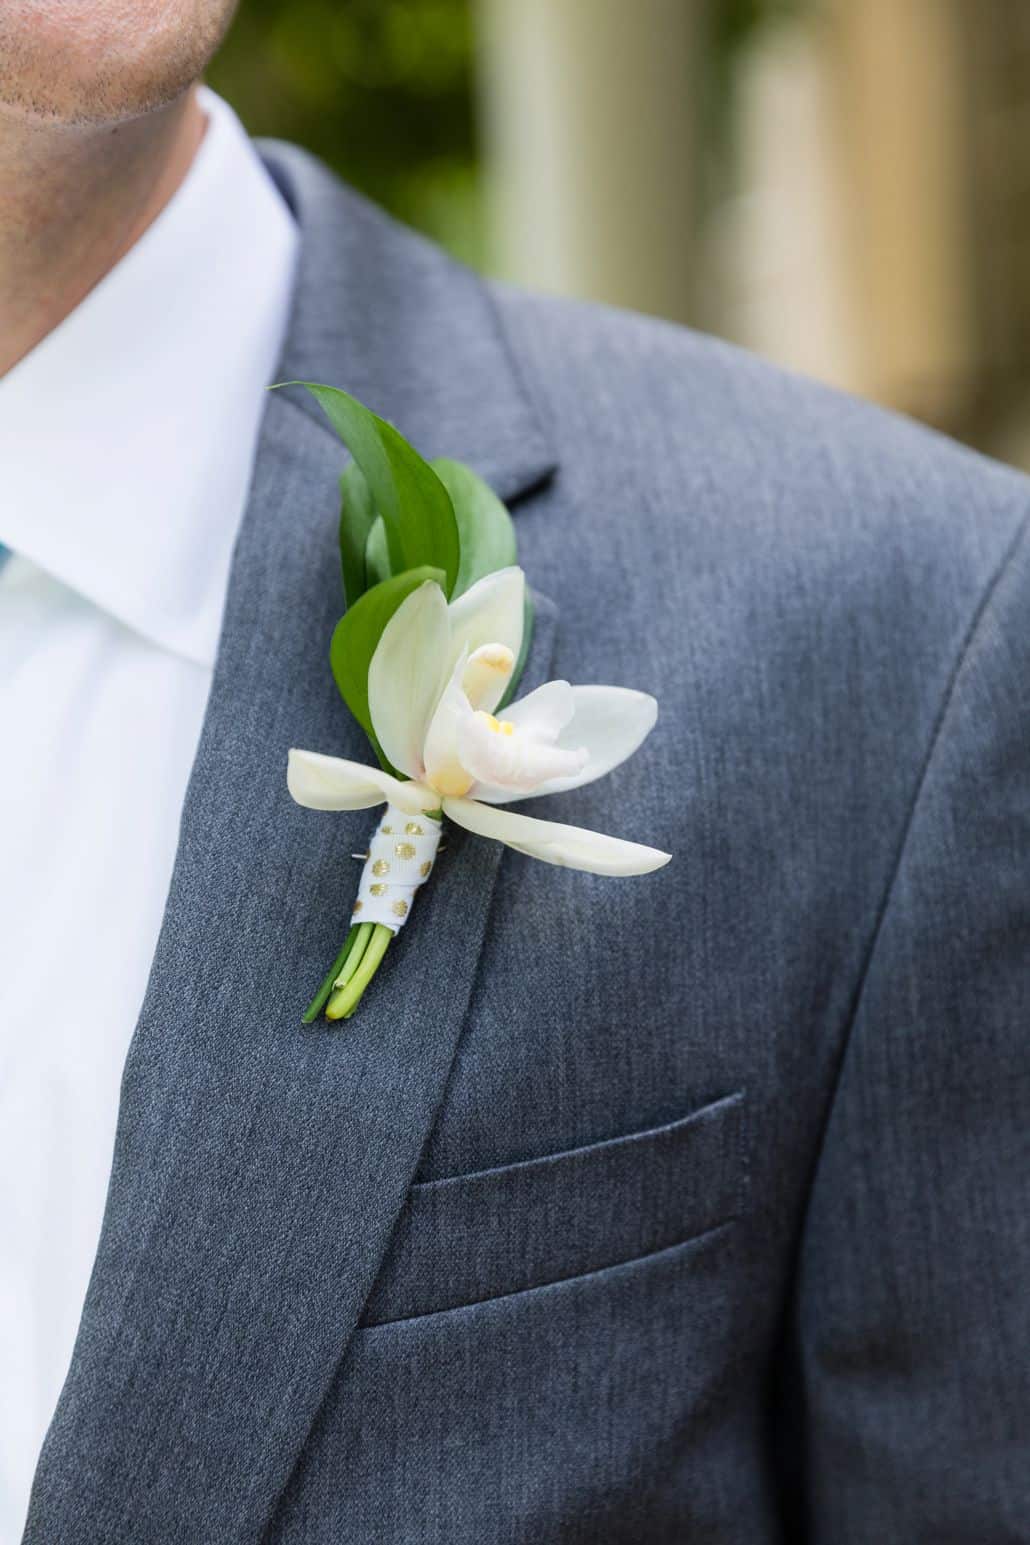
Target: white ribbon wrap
point(401, 854)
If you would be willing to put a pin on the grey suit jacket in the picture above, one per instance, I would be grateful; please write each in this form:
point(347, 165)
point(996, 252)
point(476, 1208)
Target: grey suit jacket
point(689, 1208)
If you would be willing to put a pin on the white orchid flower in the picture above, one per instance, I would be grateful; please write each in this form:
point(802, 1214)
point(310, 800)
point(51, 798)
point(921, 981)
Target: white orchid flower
point(437, 675)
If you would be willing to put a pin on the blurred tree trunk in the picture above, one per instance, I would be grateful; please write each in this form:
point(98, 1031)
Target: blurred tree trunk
point(590, 132)
point(902, 77)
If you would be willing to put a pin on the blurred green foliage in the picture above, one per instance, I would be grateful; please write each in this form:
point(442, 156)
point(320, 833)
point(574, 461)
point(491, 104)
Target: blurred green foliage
point(731, 25)
point(382, 90)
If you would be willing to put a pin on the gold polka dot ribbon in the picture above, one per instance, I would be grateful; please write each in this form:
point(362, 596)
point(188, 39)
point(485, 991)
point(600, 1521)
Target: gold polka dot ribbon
point(401, 855)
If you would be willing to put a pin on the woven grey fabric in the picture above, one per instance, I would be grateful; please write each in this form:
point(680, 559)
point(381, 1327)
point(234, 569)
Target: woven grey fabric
point(688, 1208)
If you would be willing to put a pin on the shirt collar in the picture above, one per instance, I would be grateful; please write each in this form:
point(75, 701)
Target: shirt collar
point(127, 434)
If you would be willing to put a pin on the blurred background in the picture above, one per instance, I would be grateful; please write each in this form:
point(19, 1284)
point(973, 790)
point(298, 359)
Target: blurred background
point(841, 185)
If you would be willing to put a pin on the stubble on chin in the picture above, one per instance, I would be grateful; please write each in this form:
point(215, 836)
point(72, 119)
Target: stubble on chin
point(96, 62)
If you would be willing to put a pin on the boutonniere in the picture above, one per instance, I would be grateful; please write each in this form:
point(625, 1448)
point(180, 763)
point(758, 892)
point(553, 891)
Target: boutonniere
point(427, 657)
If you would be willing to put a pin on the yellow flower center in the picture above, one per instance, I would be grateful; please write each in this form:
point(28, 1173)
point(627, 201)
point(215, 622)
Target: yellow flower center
point(499, 726)
point(452, 782)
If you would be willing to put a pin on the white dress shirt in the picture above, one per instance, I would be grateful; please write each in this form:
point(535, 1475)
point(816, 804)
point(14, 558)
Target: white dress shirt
point(126, 444)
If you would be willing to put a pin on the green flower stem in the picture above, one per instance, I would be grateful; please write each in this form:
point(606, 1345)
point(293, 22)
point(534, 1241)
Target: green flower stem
point(354, 967)
point(346, 999)
point(342, 968)
point(357, 950)
point(321, 997)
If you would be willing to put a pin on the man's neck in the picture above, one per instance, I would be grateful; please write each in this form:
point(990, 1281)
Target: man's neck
point(73, 200)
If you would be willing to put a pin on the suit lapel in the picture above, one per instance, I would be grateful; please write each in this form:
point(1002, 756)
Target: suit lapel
point(259, 1168)
point(412, 333)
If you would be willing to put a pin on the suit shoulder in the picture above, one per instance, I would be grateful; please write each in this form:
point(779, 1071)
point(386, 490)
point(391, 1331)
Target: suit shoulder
point(714, 443)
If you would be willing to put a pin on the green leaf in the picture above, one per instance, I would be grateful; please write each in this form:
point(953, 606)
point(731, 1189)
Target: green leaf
point(355, 638)
point(520, 664)
point(357, 516)
point(415, 505)
point(377, 554)
point(486, 536)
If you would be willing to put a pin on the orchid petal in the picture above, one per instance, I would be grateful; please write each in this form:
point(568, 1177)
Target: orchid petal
point(444, 769)
point(503, 757)
point(487, 674)
point(330, 783)
point(406, 675)
point(545, 712)
point(490, 612)
point(610, 722)
point(573, 847)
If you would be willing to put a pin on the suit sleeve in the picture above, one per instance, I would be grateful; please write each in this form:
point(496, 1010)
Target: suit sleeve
point(911, 1333)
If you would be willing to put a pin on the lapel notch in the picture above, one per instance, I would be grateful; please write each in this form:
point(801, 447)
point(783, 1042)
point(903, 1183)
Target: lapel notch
point(391, 318)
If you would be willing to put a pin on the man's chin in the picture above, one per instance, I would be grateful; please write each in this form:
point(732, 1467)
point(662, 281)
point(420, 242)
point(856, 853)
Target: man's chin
point(103, 63)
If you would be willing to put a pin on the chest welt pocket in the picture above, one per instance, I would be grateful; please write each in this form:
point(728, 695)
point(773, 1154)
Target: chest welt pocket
point(469, 1238)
